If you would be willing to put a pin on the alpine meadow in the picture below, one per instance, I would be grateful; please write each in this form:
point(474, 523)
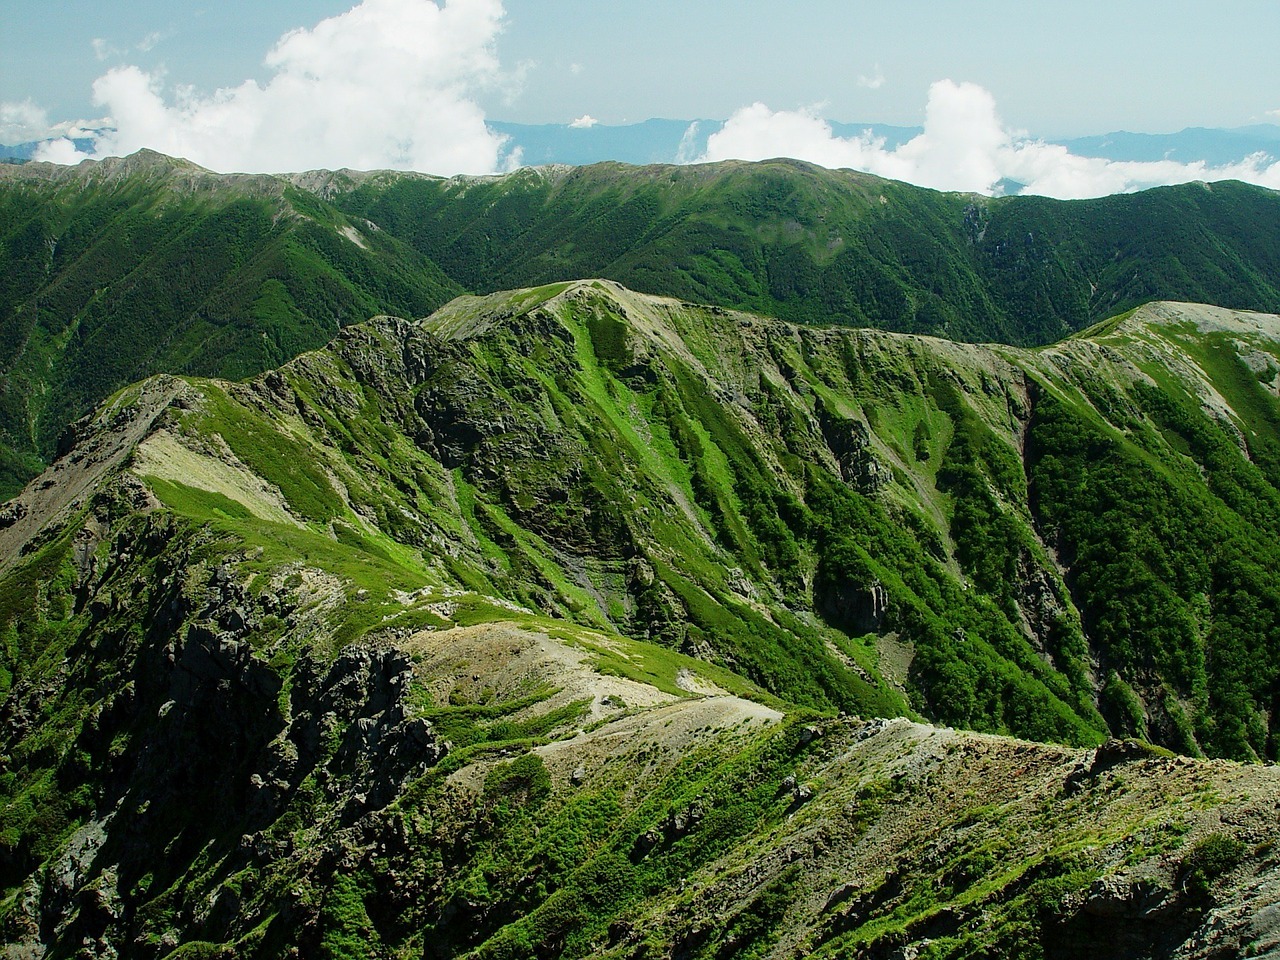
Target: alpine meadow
point(725, 560)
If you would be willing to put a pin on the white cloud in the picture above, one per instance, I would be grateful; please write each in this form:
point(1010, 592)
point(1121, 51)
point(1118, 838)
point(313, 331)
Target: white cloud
point(584, 122)
point(59, 151)
point(964, 147)
point(873, 82)
point(22, 122)
point(149, 42)
point(389, 83)
point(688, 144)
point(102, 48)
point(575, 68)
point(25, 122)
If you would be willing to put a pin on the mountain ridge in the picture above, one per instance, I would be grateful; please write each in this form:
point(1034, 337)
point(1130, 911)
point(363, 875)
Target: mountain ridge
point(477, 635)
point(95, 297)
point(457, 389)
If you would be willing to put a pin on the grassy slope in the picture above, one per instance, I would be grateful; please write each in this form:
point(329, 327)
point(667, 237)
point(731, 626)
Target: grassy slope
point(580, 463)
point(693, 825)
point(810, 245)
point(796, 504)
point(155, 268)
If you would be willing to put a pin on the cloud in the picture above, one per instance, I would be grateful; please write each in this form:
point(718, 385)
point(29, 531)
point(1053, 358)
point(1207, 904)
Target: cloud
point(25, 122)
point(59, 151)
point(584, 122)
point(102, 48)
point(687, 152)
point(964, 147)
point(389, 83)
point(149, 42)
point(874, 82)
point(22, 122)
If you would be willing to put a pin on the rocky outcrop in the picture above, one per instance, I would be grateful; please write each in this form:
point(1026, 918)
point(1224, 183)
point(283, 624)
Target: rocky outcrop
point(851, 444)
point(856, 607)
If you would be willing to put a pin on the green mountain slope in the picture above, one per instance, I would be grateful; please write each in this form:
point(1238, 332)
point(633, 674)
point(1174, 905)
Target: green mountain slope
point(1050, 543)
point(523, 630)
point(812, 245)
point(119, 270)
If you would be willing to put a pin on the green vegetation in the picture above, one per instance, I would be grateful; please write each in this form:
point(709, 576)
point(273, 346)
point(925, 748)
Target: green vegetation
point(148, 265)
point(818, 246)
point(128, 275)
point(526, 630)
point(1208, 860)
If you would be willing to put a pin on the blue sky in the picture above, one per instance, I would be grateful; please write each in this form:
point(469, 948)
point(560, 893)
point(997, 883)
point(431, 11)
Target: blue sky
point(1056, 68)
point(202, 77)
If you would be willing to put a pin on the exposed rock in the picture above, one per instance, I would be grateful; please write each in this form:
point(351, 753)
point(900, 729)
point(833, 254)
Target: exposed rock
point(857, 607)
point(850, 442)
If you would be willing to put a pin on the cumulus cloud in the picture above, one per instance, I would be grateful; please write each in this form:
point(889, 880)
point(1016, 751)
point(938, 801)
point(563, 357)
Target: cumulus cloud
point(102, 48)
point(964, 146)
point(21, 122)
point(873, 82)
point(584, 122)
point(389, 83)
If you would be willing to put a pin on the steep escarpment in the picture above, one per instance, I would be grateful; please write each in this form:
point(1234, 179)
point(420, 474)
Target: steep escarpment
point(572, 621)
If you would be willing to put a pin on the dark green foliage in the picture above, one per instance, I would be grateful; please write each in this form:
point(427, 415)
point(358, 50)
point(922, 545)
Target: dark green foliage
point(1170, 575)
point(812, 245)
point(1208, 860)
point(112, 281)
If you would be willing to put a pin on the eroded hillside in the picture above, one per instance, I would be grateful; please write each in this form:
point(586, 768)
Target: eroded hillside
point(546, 625)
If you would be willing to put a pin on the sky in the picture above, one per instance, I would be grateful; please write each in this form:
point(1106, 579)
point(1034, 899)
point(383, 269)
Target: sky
point(300, 84)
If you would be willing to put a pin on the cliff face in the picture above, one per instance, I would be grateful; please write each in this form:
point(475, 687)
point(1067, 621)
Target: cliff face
point(545, 626)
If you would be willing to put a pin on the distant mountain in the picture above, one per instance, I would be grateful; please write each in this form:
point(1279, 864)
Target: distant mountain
point(674, 141)
point(1212, 146)
point(684, 141)
point(124, 268)
point(19, 152)
point(813, 245)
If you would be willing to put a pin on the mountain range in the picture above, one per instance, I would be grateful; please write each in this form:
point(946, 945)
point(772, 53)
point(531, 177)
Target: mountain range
point(684, 141)
point(123, 268)
point(389, 601)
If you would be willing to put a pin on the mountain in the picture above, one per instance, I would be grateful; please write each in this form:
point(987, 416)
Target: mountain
point(544, 627)
point(1214, 147)
point(120, 269)
point(826, 246)
point(124, 268)
point(683, 141)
